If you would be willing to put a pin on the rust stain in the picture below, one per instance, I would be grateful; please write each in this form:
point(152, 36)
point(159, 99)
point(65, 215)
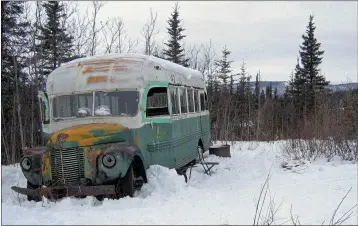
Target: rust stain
point(136, 141)
point(90, 172)
point(87, 70)
point(119, 68)
point(32, 151)
point(90, 69)
point(46, 163)
point(76, 133)
point(96, 79)
point(110, 61)
point(95, 62)
point(91, 157)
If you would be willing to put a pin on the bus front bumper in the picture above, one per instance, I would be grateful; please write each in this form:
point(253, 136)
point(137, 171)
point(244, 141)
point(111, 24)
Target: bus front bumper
point(65, 191)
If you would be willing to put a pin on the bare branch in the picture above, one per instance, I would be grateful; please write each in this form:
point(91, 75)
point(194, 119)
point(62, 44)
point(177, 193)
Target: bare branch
point(345, 216)
point(97, 6)
point(79, 28)
point(149, 32)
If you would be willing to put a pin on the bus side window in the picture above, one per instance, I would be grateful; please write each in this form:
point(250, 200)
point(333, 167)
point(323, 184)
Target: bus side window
point(196, 100)
point(174, 100)
point(157, 102)
point(191, 100)
point(202, 101)
point(183, 101)
point(206, 102)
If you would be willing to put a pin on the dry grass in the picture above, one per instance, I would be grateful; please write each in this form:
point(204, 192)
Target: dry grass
point(270, 218)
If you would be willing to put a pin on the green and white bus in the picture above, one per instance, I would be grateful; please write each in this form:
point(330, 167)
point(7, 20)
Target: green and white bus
point(109, 118)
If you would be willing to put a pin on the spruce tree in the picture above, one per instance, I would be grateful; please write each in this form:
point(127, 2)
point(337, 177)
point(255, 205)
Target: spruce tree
point(311, 58)
point(262, 97)
point(13, 43)
point(175, 52)
point(225, 69)
point(269, 91)
point(275, 94)
point(56, 45)
point(257, 90)
point(298, 83)
point(243, 83)
point(14, 80)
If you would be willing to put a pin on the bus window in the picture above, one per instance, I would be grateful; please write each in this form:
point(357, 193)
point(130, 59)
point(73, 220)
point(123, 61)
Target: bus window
point(191, 100)
point(117, 103)
point(202, 101)
point(183, 101)
point(174, 100)
point(206, 102)
point(196, 100)
point(157, 102)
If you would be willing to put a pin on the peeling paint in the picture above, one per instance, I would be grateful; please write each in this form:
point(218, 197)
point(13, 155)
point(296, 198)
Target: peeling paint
point(96, 79)
point(46, 164)
point(91, 69)
point(90, 134)
point(119, 68)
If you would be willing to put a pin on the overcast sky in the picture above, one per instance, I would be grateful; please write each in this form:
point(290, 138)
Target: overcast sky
point(266, 35)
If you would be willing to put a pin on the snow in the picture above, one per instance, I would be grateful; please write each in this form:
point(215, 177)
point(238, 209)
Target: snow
point(164, 63)
point(102, 110)
point(84, 111)
point(106, 57)
point(228, 196)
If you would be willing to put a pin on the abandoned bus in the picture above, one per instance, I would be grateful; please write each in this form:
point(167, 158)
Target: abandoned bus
point(109, 118)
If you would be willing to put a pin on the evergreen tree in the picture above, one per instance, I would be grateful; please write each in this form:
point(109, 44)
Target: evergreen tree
point(269, 91)
point(297, 83)
point(175, 52)
point(13, 43)
point(257, 90)
point(275, 94)
point(14, 46)
point(262, 97)
point(56, 45)
point(311, 58)
point(243, 82)
point(225, 69)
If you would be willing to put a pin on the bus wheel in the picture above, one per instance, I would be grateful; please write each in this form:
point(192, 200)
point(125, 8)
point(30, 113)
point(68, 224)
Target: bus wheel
point(127, 183)
point(33, 198)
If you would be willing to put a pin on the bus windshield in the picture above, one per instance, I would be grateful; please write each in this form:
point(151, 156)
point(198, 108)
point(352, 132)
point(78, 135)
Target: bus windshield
point(115, 103)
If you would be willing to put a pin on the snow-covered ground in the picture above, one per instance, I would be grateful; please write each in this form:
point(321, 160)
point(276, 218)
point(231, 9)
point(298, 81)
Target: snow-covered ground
point(228, 196)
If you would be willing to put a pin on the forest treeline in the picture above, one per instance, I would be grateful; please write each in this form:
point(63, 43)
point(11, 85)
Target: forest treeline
point(37, 37)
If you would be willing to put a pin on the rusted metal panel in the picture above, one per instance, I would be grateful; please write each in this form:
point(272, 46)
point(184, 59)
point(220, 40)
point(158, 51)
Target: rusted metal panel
point(89, 134)
point(96, 79)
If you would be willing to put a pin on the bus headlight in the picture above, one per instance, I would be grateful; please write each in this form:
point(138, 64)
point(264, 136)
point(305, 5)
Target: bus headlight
point(109, 160)
point(26, 164)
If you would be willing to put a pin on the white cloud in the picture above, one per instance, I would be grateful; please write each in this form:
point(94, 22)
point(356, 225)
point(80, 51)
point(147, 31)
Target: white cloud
point(266, 34)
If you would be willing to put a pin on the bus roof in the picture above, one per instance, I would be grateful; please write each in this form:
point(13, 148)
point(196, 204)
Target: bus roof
point(116, 71)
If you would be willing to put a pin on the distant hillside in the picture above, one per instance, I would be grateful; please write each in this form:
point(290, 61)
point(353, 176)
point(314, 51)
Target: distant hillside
point(281, 86)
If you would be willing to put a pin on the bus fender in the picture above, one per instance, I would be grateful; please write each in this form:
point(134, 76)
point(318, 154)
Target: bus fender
point(125, 155)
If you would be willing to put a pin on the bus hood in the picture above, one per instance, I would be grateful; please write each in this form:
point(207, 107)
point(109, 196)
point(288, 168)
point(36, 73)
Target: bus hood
point(88, 135)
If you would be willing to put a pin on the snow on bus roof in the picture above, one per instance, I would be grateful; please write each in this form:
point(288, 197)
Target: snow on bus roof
point(164, 63)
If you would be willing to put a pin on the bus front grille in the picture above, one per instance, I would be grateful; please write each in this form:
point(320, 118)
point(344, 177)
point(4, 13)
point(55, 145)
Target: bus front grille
point(67, 166)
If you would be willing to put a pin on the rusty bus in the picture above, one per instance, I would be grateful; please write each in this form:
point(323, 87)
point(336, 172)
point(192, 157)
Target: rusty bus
point(107, 119)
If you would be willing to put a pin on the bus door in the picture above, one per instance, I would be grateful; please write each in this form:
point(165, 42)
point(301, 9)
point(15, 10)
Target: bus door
point(204, 118)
